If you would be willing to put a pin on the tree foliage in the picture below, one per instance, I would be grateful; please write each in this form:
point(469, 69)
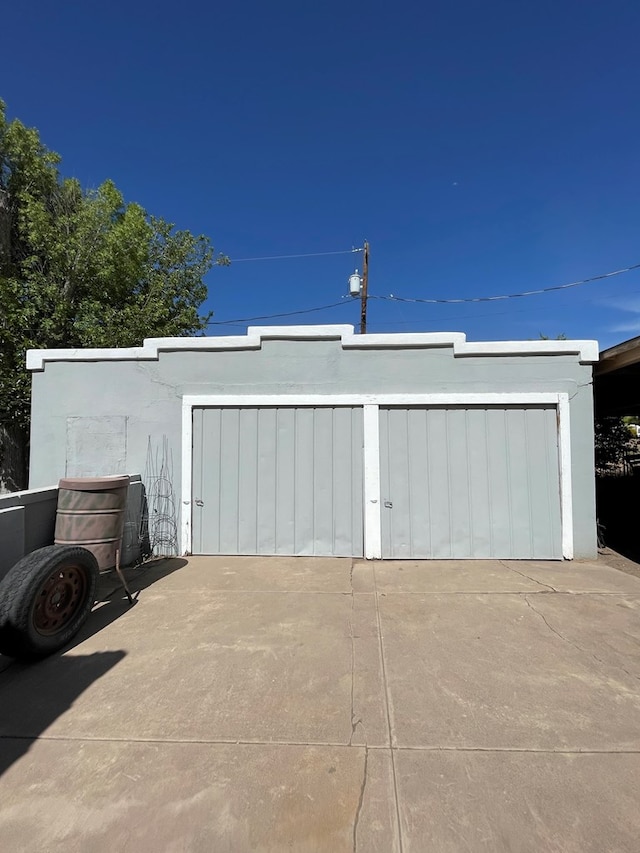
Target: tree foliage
point(83, 268)
point(613, 442)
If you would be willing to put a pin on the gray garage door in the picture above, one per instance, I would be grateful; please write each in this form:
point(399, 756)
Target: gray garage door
point(277, 481)
point(470, 482)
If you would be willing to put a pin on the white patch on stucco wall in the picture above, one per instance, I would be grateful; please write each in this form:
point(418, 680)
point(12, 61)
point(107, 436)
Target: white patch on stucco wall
point(96, 446)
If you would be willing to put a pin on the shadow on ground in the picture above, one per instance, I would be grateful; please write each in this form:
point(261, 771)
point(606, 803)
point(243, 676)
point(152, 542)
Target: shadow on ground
point(33, 695)
point(112, 601)
point(617, 500)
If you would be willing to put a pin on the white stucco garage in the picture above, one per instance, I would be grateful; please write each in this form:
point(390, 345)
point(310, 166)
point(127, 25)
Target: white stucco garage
point(316, 441)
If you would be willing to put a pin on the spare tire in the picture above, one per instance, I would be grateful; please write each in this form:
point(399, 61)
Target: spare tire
point(45, 599)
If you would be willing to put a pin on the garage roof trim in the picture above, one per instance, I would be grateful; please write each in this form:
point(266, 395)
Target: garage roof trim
point(587, 351)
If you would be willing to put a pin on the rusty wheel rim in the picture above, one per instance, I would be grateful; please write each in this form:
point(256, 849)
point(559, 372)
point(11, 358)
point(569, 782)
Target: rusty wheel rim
point(59, 599)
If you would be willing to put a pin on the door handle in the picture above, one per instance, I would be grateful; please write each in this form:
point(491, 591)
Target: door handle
point(388, 504)
point(198, 502)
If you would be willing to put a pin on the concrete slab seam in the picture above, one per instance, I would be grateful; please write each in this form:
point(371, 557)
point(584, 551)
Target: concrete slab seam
point(356, 821)
point(328, 744)
point(189, 741)
point(354, 723)
point(516, 750)
point(475, 592)
point(388, 711)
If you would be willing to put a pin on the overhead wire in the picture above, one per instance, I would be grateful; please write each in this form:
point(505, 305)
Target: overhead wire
point(274, 316)
point(393, 298)
point(305, 255)
point(491, 314)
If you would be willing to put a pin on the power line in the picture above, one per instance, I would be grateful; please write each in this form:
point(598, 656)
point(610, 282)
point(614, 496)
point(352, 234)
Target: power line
point(286, 257)
point(274, 316)
point(393, 298)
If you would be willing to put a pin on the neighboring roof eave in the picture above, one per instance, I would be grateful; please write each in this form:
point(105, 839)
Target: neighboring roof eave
point(587, 351)
point(620, 355)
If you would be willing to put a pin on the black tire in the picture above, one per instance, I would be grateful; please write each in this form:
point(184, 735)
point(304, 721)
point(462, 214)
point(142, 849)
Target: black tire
point(45, 599)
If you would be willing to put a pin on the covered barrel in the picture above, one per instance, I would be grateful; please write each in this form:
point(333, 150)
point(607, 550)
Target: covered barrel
point(90, 513)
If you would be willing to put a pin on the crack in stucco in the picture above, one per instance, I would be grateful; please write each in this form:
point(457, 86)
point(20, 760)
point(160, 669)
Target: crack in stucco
point(151, 373)
point(360, 800)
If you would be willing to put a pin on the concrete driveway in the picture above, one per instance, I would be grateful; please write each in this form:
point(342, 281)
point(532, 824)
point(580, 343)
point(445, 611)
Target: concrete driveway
point(297, 704)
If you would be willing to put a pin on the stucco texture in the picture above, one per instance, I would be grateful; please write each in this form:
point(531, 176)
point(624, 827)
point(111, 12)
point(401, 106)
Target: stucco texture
point(139, 402)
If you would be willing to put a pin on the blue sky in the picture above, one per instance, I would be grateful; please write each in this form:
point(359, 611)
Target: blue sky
point(481, 147)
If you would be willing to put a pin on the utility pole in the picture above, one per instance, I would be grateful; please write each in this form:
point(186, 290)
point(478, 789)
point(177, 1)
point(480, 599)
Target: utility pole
point(363, 292)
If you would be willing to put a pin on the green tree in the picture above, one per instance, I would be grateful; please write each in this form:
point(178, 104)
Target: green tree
point(613, 442)
point(83, 268)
